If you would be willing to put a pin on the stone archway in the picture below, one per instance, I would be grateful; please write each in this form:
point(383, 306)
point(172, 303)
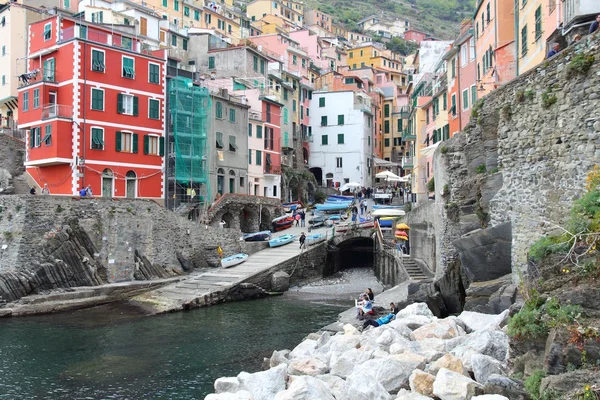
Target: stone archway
point(293, 189)
point(248, 220)
point(229, 220)
point(265, 220)
point(310, 191)
point(318, 173)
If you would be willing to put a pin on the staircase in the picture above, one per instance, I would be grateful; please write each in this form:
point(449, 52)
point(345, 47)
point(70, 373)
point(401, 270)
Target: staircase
point(413, 269)
point(20, 185)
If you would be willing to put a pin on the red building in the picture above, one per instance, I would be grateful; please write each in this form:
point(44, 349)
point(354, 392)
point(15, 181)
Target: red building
point(92, 101)
point(417, 36)
point(271, 110)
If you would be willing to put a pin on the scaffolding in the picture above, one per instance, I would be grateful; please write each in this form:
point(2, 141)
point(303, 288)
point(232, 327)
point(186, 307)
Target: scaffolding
point(189, 124)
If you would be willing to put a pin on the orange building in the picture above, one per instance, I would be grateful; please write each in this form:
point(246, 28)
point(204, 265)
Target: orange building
point(93, 104)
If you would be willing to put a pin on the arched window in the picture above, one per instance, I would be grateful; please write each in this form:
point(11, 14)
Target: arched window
point(131, 184)
point(107, 183)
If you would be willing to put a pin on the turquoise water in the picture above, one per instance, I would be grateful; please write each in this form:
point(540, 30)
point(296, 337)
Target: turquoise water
point(108, 353)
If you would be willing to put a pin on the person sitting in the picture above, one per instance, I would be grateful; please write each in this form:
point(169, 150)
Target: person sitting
point(379, 321)
point(82, 192)
point(365, 306)
point(32, 191)
point(370, 294)
point(393, 308)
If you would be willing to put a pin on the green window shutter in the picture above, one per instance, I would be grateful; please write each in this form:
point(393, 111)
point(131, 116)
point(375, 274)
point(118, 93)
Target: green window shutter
point(135, 106)
point(445, 101)
point(165, 3)
point(255, 63)
point(322, 102)
point(211, 62)
point(118, 141)
point(340, 120)
point(146, 144)
point(386, 126)
point(249, 157)
point(120, 103)
point(324, 140)
point(340, 138)
point(285, 115)
point(32, 138)
point(262, 66)
point(173, 40)
point(258, 131)
point(324, 120)
point(249, 130)
point(134, 146)
point(185, 44)
point(387, 110)
point(258, 157)
point(473, 94)
point(161, 146)
point(197, 15)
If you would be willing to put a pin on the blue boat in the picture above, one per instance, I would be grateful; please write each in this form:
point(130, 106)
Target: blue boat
point(385, 207)
point(257, 236)
point(281, 240)
point(331, 206)
point(233, 260)
point(314, 239)
point(335, 196)
point(318, 221)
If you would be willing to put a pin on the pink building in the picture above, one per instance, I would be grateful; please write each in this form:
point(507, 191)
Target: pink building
point(417, 36)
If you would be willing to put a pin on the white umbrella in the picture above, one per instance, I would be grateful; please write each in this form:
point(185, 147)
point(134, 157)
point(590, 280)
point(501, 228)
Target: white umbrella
point(350, 185)
point(388, 176)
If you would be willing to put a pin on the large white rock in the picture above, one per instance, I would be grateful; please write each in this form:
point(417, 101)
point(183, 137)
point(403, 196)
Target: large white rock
point(306, 388)
point(229, 384)
point(344, 364)
point(392, 372)
point(484, 366)
point(401, 345)
point(387, 337)
point(489, 343)
point(421, 382)
point(415, 309)
point(490, 397)
point(481, 322)
point(404, 394)
point(449, 362)
point(360, 387)
point(343, 343)
point(336, 384)
point(400, 327)
point(307, 366)
point(241, 395)
point(442, 329)
point(350, 330)
point(264, 385)
point(450, 385)
point(305, 349)
point(414, 321)
point(323, 339)
point(279, 357)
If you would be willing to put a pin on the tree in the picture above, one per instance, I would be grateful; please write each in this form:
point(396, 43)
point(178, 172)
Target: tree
point(399, 45)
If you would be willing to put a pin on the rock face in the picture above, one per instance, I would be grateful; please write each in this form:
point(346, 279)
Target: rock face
point(384, 362)
point(60, 243)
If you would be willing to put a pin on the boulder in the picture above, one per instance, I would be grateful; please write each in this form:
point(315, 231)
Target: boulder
point(343, 343)
point(404, 394)
point(421, 382)
point(387, 337)
point(490, 397)
point(344, 364)
point(450, 385)
point(323, 339)
point(570, 384)
point(449, 362)
point(400, 327)
point(490, 343)
point(306, 388)
point(304, 349)
point(392, 372)
point(227, 384)
point(336, 384)
point(241, 395)
point(307, 366)
point(264, 385)
point(484, 366)
point(350, 330)
point(358, 389)
point(414, 321)
point(480, 322)
point(443, 329)
point(415, 309)
point(498, 384)
point(280, 282)
point(279, 357)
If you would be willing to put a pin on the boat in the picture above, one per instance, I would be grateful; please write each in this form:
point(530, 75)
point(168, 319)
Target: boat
point(257, 236)
point(340, 197)
point(314, 239)
point(332, 206)
point(386, 207)
point(282, 222)
point(281, 240)
point(387, 222)
point(388, 212)
point(402, 226)
point(365, 224)
point(233, 260)
point(318, 221)
point(291, 206)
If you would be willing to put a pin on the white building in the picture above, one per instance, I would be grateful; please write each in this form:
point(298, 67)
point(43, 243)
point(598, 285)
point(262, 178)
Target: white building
point(342, 146)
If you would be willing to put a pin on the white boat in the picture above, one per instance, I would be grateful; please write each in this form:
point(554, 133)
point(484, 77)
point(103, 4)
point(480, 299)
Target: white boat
point(233, 260)
point(314, 239)
point(388, 212)
point(281, 240)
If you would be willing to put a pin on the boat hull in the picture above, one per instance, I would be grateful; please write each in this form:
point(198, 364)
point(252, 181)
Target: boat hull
point(281, 240)
point(331, 207)
point(314, 239)
point(234, 260)
point(257, 236)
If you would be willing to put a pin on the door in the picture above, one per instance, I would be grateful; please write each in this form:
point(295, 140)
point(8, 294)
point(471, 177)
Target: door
point(231, 185)
point(220, 184)
point(131, 185)
point(107, 184)
point(52, 104)
point(256, 189)
point(143, 26)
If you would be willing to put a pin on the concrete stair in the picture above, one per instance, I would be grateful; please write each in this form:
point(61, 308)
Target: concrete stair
point(413, 269)
point(20, 185)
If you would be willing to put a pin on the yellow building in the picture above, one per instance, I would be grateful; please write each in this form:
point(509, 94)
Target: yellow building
point(270, 24)
point(180, 13)
point(371, 55)
point(291, 11)
point(531, 33)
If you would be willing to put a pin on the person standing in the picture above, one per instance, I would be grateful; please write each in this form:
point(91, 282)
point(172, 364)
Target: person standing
point(555, 50)
point(302, 219)
point(88, 191)
point(45, 190)
point(595, 25)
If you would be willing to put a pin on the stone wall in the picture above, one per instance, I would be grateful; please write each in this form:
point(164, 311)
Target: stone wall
point(245, 212)
point(11, 162)
point(57, 242)
point(422, 221)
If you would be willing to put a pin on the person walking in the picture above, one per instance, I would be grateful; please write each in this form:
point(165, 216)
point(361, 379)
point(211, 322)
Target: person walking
point(302, 219)
point(302, 240)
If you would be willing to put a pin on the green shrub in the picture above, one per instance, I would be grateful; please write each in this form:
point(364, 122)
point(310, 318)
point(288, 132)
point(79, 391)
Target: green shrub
point(476, 107)
point(529, 94)
point(443, 149)
point(560, 315)
point(520, 96)
point(533, 382)
point(446, 190)
point(580, 64)
point(548, 245)
point(59, 209)
point(320, 196)
point(548, 99)
point(481, 169)
point(431, 185)
point(493, 170)
point(506, 111)
point(526, 324)
point(8, 236)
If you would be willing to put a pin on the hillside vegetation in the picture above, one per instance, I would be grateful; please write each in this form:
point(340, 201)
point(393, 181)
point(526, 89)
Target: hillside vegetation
point(439, 17)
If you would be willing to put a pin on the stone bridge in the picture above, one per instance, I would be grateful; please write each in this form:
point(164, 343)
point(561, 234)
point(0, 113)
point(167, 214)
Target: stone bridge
point(245, 212)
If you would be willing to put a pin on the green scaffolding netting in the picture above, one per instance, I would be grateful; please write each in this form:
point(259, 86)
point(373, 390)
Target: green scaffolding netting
point(190, 108)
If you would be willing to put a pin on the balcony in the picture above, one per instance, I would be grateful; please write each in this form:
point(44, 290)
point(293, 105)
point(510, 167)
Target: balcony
point(408, 136)
point(405, 111)
point(272, 170)
point(36, 76)
point(407, 162)
point(50, 111)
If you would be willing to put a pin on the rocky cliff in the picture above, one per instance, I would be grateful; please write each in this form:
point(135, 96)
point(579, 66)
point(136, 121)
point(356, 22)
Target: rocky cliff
point(11, 162)
point(514, 171)
point(51, 242)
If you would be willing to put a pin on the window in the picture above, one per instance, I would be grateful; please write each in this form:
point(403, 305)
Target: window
point(453, 68)
point(538, 23)
point(97, 99)
point(219, 110)
point(211, 62)
point(153, 145)
point(324, 120)
point(386, 142)
point(262, 66)
point(464, 55)
point(219, 140)
point(176, 5)
point(259, 131)
point(427, 116)
point(67, 4)
point(294, 105)
point(255, 63)
point(128, 69)
point(97, 141)
point(489, 14)
point(232, 115)
point(324, 140)
point(524, 40)
point(25, 101)
point(473, 94)
point(35, 137)
point(36, 98)
point(285, 115)
point(127, 104)
point(399, 127)
point(153, 109)
point(322, 102)
point(294, 59)
point(48, 135)
point(207, 18)
point(386, 126)
point(49, 70)
point(232, 145)
point(340, 138)
point(351, 55)
point(197, 15)
point(97, 60)
point(258, 157)
point(471, 49)
point(465, 99)
point(126, 142)
point(3, 51)
point(453, 106)
point(126, 43)
point(338, 162)
point(173, 40)
point(523, 3)
point(186, 11)
point(249, 157)
point(477, 30)
point(304, 63)
point(165, 3)
point(285, 94)
point(341, 119)
point(386, 112)
point(154, 73)
point(47, 32)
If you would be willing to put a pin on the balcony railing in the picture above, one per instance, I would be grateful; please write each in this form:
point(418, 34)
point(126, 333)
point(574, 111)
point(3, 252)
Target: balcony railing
point(405, 111)
point(37, 75)
point(50, 111)
point(407, 162)
point(408, 136)
point(272, 170)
